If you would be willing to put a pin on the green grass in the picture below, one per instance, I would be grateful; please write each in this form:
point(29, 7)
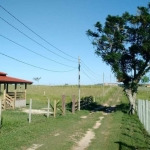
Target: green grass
point(117, 131)
point(143, 93)
point(121, 131)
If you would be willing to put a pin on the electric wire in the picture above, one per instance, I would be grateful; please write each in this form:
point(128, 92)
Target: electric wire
point(87, 75)
point(89, 69)
point(36, 33)
point(93, 78)
point(96, 77)
point(34, 51)
point(34, 65)
point(35, 41)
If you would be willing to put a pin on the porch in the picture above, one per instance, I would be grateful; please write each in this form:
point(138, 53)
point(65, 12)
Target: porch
point(15, 99)
point(12, 97)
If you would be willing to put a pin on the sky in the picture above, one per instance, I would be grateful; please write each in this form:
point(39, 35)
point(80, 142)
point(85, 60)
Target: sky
point(46, 38)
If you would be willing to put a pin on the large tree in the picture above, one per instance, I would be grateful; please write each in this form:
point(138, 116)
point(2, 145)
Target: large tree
point(145, 79)
point(124, 44)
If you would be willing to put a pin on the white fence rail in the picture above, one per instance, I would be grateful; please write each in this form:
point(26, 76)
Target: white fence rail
point(144, 113)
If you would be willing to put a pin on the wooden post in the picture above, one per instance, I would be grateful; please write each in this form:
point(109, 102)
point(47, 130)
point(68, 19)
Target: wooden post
point(63, 105)
point(0, 113)
point(25, 91)
point(7, 88)
point(48, 108)
point(30, 109)
point(15, 95)
point(73, 104)
point(54, 108)
point(4, 96)
point(44, 93)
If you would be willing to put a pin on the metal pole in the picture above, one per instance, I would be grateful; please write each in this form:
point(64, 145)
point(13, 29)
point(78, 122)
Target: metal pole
point(79, 82)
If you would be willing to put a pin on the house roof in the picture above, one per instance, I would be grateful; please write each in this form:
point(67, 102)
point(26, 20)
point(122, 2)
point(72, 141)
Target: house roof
point(6, 79)
point(2, 74)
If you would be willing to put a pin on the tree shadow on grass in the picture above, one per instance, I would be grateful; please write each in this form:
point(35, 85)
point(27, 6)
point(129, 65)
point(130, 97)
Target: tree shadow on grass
point(87, 103)
point(133, 135)
point(123, 146)
point(139, 145)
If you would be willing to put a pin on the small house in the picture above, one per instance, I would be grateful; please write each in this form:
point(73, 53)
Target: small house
point(12, 99)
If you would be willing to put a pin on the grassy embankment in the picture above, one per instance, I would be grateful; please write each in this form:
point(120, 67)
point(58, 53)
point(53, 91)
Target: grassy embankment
point(117, 131)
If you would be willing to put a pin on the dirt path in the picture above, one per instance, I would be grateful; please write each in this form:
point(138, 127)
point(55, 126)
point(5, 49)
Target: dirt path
point(35, 146)
point(86, 140)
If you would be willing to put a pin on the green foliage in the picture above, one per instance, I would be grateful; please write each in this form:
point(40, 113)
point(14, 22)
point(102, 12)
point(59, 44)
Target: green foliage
point(145, 79)
point(124, 44)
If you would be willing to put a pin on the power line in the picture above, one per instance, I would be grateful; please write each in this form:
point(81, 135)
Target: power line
point(33, 65)
point(87, 76)
point(94, 79)
point(36, 33)
point(35, 41)
point(34, 51)
point(89, 70)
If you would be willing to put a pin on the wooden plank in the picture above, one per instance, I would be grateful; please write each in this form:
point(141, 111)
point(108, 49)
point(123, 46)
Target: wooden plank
point(48, 108)
point(63, 104)
point(30, 109)
point(54, 108)
point(4, 96)
point(25, 91)
point(73, 104)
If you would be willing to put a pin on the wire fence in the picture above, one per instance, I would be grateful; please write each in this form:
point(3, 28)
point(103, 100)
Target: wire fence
point(143, 112)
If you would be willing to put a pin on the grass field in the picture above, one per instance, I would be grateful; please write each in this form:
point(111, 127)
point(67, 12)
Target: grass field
point(118, 130)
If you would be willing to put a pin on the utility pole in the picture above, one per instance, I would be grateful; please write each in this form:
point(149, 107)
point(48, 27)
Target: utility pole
point(79, 82)
point(110, 81)
point(103, 84)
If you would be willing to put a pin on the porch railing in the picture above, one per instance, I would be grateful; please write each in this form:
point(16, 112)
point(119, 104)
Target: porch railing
point(17, 95)
point(9, 101)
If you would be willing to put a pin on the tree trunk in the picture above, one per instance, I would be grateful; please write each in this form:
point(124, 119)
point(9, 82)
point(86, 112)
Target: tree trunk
point(131, 96)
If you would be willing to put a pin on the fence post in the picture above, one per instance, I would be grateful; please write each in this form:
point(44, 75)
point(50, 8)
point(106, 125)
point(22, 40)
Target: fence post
point(0, 113)
point(54, 108)
point(146, 110)
point(94, 99)
point(141, 111)
point(73, 104)
point(63, 105)
point(149, 117)
point(144, 116)
point(48, 108)
point(30, 110)
point(138, 109)
point(141, 106)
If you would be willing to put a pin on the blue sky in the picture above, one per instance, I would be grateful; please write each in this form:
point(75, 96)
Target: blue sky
point(63, 23)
